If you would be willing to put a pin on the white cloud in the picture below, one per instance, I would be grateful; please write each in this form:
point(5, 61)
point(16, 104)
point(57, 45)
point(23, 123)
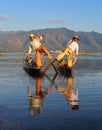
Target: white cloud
point(5, 18)
point(57, 21)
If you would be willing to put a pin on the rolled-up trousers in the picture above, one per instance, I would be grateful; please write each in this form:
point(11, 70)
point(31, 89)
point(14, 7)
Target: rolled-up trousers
point(39, 52)
point(67, 51)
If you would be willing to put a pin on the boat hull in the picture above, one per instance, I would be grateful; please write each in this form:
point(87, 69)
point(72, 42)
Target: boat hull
point(30, 68)
point(32, 71)
point(65, 71)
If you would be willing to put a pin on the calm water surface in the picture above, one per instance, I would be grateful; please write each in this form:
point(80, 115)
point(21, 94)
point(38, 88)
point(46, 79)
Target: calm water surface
point(73, 103)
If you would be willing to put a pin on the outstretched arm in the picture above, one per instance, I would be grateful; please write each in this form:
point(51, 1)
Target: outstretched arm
point(39, 37)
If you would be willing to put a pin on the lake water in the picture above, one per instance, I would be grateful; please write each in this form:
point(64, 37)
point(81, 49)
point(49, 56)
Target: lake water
point(73, 103)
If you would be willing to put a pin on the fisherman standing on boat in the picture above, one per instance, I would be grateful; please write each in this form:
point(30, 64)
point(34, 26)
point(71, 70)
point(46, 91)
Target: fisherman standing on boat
point(72, 46)
point(36, 45)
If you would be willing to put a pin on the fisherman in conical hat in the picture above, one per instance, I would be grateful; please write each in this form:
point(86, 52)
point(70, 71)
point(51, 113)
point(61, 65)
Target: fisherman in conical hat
point(35, 44)
point(72, 46)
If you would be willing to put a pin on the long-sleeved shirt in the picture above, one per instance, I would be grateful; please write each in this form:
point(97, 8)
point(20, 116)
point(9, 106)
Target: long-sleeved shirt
point(73, 46)
point(33, 45)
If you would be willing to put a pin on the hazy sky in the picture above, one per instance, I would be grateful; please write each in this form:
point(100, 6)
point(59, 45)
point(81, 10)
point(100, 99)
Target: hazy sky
point(77, 15)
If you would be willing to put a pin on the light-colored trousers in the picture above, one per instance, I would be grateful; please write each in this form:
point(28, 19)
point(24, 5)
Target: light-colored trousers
point(67, 51)
point(39, 52)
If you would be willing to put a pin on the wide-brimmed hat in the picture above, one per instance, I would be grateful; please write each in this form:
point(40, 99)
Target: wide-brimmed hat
point(31, 35)
point(75, 37)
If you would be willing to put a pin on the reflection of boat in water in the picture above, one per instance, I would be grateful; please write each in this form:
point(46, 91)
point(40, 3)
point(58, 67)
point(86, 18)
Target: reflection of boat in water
point(30, 68)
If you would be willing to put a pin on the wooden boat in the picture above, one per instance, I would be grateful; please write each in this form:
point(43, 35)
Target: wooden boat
point(30, 68)
point(64, 69)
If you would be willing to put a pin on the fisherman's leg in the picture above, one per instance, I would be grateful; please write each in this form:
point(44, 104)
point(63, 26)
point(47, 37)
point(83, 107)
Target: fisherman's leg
point(60, 56)
point(45, 51)
point(38, 59)
point(70, 58)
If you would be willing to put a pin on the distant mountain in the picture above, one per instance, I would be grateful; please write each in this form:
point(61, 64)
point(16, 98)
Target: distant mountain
point(53, 39)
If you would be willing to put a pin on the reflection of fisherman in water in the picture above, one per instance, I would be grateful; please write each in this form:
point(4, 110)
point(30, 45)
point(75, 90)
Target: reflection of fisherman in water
point(71, 93)
point(35, 101)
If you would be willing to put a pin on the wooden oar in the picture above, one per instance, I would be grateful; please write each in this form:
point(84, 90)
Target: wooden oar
point(51, 80)
point(54, 67)
point(52, 64)
point(75, 60)
point(48, 67)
